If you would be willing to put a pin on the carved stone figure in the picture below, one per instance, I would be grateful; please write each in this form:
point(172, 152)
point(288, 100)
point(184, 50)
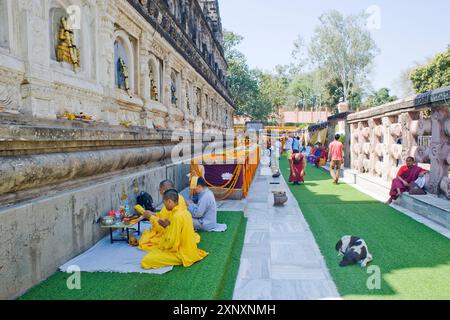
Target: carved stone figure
point(122, 71)
point(173, 92)
point(188, 103)
point(154, 90)
point(66, 50)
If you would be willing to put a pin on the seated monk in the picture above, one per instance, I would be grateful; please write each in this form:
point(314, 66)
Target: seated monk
point(406, 175)
point(178, 245)
point(151, 237)
point(322, 156)
point(204, 213)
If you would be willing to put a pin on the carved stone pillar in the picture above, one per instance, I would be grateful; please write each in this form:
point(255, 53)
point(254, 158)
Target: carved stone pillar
point(108, 12)
point(373, 158)
point(36, 90)
point(387, 143)
point(331, 131)
point(347, 145)
point(408, 140)
point(439, 150)
point(166, 81)
point(144, 58)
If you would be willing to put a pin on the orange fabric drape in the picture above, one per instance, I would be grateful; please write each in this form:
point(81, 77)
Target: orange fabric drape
point(247, 170)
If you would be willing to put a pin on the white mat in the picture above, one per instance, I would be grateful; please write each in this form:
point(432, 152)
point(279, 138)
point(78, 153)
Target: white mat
point(220, 228)
point(118, 257)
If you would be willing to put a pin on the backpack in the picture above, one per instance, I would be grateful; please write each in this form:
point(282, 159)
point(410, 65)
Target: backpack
point(145, 200)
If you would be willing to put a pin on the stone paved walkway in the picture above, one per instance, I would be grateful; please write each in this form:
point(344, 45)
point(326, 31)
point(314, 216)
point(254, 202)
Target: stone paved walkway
point(280, 259)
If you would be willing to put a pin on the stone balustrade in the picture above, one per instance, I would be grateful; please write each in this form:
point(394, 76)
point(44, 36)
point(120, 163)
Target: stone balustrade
point(382, 138)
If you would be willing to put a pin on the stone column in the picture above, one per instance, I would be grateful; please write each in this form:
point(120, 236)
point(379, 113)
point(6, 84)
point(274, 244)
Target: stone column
point(373, 141)
point(387, 143)
point(439, 150)
point(36, 90)
point(407, 137)
point(144, 59)
point(108, 11)
point(165, 90)
point(347, 145)
point(145, 85)
point(331, 131)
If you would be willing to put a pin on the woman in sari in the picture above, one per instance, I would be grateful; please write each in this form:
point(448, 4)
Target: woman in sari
point(321, 158)
point(298, 166)
point(406, 175)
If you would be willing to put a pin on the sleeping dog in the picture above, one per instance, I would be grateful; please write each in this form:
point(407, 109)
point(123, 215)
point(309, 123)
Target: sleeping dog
point(354, 250)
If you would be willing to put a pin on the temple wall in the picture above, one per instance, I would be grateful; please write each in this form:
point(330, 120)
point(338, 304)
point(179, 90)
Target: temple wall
point(34, 83)
point(58, 177)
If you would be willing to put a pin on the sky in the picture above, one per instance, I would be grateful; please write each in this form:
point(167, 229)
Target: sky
point(409, 31)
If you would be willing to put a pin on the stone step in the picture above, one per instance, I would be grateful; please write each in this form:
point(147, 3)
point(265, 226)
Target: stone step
point(429, 206)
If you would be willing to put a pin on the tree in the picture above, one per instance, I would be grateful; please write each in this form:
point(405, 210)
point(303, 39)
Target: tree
point(334, 95)
point(378, 98)
point(434, 75)
point(344, 50)
point(244, 83)
point(272, 87)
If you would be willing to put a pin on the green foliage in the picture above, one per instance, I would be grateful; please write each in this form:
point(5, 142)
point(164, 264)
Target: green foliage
point(344, 50)
point(434, 75)
point(246, 88)
point(378, 98)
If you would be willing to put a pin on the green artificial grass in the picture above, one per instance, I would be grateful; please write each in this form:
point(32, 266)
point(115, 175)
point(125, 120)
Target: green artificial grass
point(414, 260)
point(211, 279)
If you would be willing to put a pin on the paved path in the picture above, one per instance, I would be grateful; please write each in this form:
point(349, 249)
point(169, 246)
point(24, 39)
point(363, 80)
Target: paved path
point(280, 259)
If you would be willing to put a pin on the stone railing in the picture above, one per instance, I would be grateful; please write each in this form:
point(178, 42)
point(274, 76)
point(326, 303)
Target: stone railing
point(383, 137)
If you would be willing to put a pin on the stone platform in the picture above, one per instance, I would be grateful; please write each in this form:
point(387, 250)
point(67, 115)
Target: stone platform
point(431, 207)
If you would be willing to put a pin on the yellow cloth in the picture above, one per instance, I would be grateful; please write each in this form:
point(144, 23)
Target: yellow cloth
point(150, 238)
point(178, 244)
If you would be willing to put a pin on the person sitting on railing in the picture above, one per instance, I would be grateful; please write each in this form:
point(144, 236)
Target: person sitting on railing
point(406, 175)
point(204, 213)
point(178, 244)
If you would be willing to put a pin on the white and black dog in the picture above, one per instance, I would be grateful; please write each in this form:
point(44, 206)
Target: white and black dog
point(354, 250)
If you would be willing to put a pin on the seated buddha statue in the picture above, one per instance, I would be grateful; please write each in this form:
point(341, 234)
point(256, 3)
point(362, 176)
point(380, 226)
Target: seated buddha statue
point(67, 51)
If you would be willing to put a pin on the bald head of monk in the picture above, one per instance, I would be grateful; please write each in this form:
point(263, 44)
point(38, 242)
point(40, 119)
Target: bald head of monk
point(166, 185)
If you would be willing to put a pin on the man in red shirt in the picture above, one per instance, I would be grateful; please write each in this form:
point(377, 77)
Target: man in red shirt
point(336, 156)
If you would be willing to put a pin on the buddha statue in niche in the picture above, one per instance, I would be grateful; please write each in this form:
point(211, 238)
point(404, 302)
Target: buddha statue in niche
point(66, 50)
point(122, 71)
point(153, 88)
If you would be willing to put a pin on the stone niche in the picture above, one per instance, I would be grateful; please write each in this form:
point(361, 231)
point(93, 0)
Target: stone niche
point(124, 62)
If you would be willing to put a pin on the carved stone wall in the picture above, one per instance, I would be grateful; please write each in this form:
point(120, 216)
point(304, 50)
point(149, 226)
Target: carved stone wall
point(383, 137)
point(33, 83)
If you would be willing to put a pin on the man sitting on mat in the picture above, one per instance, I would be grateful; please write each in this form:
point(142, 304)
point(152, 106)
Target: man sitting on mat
point(159, 221)
point(178, 245)
point(204, 213)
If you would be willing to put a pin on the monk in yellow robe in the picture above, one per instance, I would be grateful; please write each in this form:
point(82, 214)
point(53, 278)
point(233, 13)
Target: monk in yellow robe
point(178, 244)
point(151, 237)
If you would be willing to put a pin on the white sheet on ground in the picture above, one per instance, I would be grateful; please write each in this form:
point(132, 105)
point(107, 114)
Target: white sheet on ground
point(117, 257)
point(220, 228)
